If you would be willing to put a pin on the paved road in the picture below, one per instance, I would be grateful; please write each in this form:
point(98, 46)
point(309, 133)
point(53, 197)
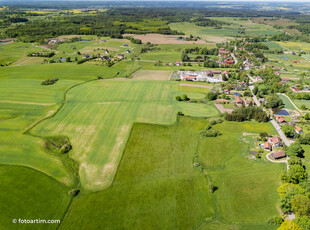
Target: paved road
point(236, 61)
point(252, 79)
point(273, 122)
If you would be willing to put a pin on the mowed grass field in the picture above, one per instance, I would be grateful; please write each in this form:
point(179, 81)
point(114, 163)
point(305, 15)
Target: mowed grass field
point(157, 185)
point(98, 117)
point(29, 194)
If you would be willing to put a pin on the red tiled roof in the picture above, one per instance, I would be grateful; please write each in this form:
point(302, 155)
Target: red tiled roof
point(267, 145)
point(276, 139)
point(279, 154)
point(298, 129)
point(189, 77)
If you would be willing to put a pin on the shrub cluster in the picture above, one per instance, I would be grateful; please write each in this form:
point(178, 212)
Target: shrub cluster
point(50, 81)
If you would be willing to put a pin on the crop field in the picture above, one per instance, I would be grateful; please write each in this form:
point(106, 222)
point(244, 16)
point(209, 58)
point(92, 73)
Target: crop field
point(86, 119)
point(70, 71)
point(23, 102)
point(296, 46)
point(160, 187)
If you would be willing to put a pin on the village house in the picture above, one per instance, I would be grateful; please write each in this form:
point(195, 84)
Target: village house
point(267, 146)
point(278, 155)
point(209, 73)
point(238, 100)
point(259, 78)
point(121, 56)
point(298, 130)
point(223, 51)
point(276, 141)
point(280, 119)
point(217, 72)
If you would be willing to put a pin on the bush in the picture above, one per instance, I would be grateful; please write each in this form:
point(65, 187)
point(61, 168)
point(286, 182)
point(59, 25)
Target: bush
point(178, 98)
point(65, 148)
point(276, 220)
point(212, 188)
point(210, 133)
point(184, 97)
point(50, 81)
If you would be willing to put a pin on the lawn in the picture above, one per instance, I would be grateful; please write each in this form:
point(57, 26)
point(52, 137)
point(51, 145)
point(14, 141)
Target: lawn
point(29, 194)
point(157, 186)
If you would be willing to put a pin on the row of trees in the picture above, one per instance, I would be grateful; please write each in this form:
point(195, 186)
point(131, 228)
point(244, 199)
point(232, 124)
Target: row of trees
point(247, 114)
point(295, 190)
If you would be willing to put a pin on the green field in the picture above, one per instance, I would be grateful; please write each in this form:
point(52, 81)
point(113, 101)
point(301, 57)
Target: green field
point(227, 31)
point(157, 184)
point(29, 194)
point(273, 45)
point(299, 103)
point(287, 103)
point(98, 117)
point(14, 51)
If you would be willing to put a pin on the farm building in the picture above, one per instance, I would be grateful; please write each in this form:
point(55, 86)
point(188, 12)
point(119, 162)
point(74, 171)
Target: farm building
point(278, 155)
point(206, 76)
